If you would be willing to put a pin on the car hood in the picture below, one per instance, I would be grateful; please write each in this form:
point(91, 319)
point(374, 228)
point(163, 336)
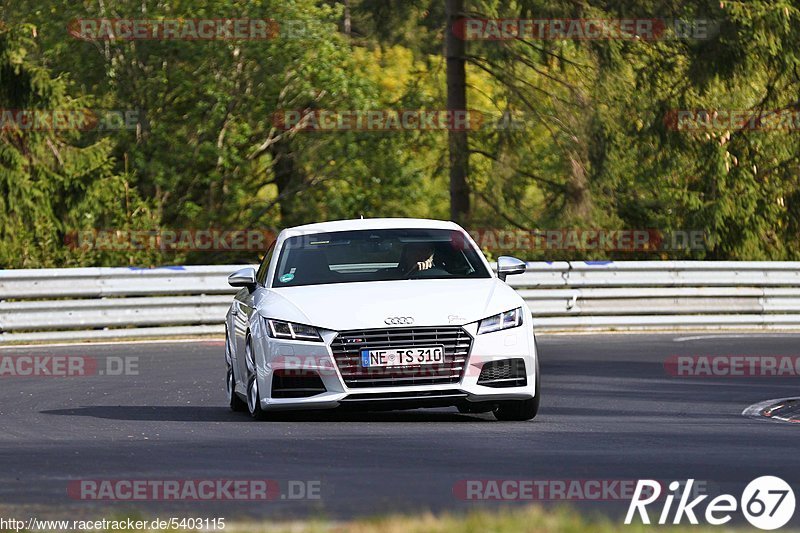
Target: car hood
point(368, 305)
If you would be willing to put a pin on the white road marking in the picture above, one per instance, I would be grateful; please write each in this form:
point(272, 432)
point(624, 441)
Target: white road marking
point(754, 411)
point(750, 336)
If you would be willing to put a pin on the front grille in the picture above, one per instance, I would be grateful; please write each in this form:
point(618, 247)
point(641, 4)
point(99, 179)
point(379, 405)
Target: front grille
point(347, 348)
point(504, 373)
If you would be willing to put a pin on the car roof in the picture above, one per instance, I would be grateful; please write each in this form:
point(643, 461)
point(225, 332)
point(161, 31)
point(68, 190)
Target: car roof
point(375, 223)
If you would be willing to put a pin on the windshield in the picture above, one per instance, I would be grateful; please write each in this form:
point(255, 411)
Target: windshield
point(377, 255)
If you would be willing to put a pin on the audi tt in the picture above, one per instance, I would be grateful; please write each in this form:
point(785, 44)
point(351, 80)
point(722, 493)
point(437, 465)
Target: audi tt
point(380, 314)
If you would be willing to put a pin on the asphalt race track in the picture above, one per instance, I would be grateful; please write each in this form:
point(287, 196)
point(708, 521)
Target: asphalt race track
point(610, 411)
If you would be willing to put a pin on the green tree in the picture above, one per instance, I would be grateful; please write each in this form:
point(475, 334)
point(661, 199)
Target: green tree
point(52, 181)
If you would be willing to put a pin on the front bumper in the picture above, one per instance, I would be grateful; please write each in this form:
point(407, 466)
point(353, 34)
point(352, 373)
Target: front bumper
point(311, 357)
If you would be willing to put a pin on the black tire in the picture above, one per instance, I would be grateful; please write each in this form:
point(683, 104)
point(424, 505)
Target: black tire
point(254, 400)
point(473, 409)
point(236, 404)
point(518, 410)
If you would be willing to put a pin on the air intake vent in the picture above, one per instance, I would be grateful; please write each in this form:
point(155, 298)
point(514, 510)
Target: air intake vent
point(296, 384)
point(503, 373)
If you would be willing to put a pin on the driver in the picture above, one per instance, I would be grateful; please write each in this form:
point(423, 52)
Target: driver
point(417, 256)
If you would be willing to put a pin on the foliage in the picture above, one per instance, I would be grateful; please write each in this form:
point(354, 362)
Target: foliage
point(576, 133)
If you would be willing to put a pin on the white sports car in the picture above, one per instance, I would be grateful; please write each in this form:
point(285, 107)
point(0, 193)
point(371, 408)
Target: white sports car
point(380, 314)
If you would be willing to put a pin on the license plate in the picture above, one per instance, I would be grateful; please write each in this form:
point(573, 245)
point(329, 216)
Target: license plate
point(426, 355)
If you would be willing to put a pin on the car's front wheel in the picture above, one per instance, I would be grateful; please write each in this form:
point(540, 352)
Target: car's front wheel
point(254, 399)
point(521, 409)
point(253, 394)
point(517, 409)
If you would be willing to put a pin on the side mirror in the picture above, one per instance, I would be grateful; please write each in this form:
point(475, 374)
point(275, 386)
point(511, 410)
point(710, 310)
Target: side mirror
point(507, 266)
point(245, 277)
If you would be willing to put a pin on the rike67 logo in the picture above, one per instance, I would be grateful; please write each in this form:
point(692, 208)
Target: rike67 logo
point(767, 503)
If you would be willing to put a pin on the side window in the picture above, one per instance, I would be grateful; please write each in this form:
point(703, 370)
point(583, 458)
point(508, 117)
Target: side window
point(261, 275)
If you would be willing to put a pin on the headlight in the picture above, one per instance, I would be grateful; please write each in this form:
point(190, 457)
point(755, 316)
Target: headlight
point(509, 319)
point(278, 329)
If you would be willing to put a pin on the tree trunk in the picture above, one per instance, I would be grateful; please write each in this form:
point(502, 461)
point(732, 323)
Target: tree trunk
point(347, 19)
point(455, 48)
point(288, 180)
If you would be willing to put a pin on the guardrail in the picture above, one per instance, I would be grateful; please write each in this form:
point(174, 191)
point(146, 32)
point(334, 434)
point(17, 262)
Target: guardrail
point(634, 295)
point(97, 303)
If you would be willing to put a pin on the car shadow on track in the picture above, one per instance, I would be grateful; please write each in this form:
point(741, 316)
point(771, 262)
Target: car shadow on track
point(180, 413)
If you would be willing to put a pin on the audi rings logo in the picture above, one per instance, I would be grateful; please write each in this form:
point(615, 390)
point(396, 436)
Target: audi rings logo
point(398, 320)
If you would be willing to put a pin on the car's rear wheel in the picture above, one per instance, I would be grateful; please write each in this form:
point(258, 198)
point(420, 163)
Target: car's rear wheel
point(234, 401)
